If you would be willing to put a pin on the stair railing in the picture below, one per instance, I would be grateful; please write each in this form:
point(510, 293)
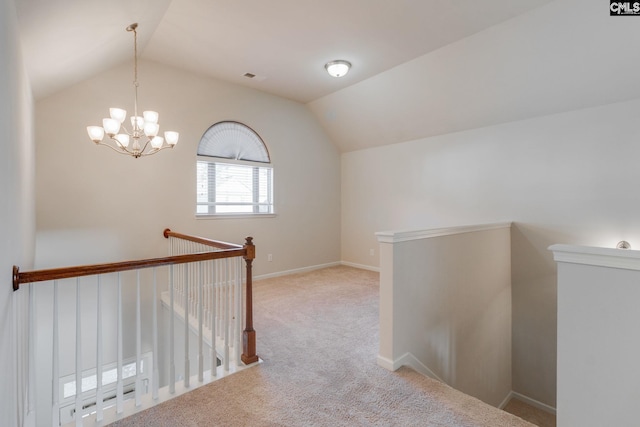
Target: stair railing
point(204, 281)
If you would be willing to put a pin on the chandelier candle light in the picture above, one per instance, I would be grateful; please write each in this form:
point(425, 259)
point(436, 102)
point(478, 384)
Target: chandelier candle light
point(145, 126)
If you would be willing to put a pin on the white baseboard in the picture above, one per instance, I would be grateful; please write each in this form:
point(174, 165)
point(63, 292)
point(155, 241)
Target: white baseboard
point(386, 363)
point(530, 401)
point(315, 267)
point(297, 270)
point(506, 400)
point(360, 266)
point(409, 360)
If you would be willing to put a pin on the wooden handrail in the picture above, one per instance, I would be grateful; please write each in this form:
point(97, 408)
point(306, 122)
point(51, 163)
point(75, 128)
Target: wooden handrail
point(228, 250)
point(213, 243)
point(20, 277)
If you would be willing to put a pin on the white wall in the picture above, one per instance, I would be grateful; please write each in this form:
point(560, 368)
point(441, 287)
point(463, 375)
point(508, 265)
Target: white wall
point(16, 213)
point(598, 346)
point(445, 306)
point(87, 193)
point(567, 178)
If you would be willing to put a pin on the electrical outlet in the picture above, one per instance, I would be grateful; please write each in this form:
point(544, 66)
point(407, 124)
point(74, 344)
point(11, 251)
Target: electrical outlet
point(270, 257)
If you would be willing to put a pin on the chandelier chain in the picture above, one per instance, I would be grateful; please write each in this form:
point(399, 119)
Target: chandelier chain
point(135, 69)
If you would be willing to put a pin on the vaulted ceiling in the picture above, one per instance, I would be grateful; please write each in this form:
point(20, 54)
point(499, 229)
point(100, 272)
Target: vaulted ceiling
point(420, 67)
point(285, 43)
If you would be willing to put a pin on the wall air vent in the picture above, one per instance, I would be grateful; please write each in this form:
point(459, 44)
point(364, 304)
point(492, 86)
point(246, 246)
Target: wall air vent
point(254, 77)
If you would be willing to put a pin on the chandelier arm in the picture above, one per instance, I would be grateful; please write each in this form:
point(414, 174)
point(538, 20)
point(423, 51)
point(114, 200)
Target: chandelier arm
point(155, 150)
point(118, 149)
point(126, 131)
point(145, 144)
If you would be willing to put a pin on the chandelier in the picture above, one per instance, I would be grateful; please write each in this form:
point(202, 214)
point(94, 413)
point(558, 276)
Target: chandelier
point(143, 140)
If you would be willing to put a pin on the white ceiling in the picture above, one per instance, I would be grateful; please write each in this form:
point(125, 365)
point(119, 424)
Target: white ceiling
point(566, 55)
point(285, 43)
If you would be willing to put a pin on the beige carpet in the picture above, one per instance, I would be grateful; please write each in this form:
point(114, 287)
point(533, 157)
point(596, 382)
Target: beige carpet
point(531, 413)
point(318, 336)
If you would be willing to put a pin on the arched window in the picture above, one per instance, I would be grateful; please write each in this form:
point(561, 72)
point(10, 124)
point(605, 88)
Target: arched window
point(234, 170)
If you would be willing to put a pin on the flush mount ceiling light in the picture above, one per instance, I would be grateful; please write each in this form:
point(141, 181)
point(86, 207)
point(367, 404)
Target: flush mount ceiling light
point(143, 127)
point(338, 68)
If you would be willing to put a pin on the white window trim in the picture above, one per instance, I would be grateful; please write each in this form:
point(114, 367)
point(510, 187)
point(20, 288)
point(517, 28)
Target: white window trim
point(232, 161)
point(236, 215)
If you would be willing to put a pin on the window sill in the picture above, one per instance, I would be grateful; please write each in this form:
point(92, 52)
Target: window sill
point(234, 216)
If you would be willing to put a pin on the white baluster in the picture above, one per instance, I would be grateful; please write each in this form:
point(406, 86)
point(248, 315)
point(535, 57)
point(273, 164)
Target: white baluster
point(218, 296)
point(172, 343)
point(193, 293)
point(207, 290)
point(220, 286)
point(232, 322)
point(55, 369)
point(31, 391)
point(138, 391)
point(187, 371)
point(183, 291)
point(214, 354)
point(178, 278)
point(119, 383)
point(156, 370)
point(79, 410)
point(99, 393)
point(200, 324)
point(238, 335)
point(227, 314)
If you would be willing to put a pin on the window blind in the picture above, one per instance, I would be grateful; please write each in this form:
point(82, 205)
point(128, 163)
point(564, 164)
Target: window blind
point(227, 188)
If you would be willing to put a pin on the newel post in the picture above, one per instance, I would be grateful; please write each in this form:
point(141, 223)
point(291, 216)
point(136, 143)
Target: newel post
point(249, 334)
